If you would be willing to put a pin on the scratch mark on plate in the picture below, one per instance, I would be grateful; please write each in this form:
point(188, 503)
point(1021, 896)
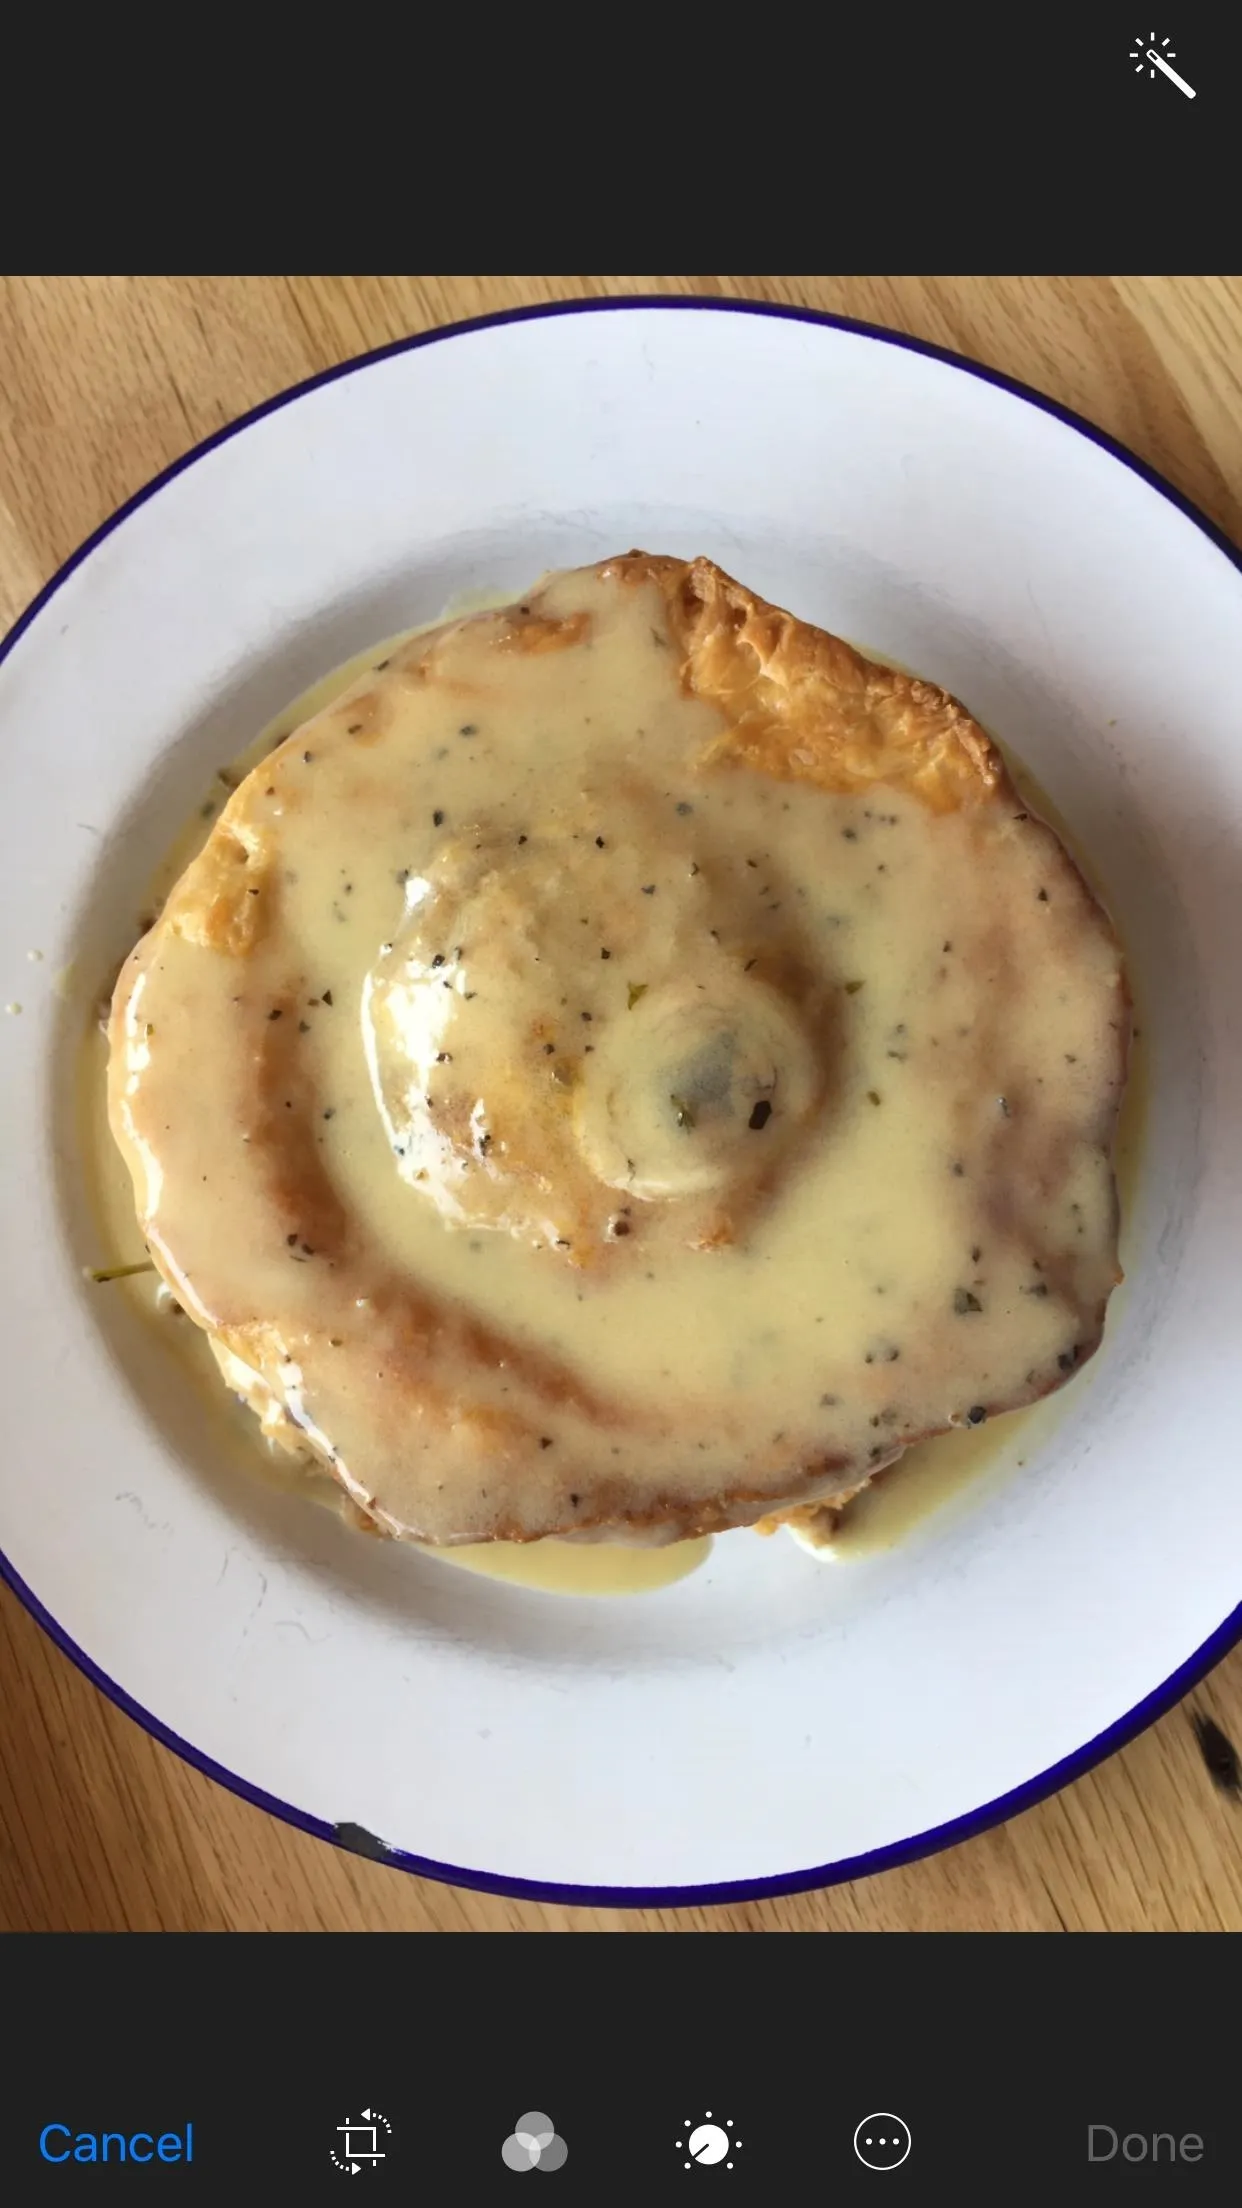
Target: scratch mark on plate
point(361, 1841)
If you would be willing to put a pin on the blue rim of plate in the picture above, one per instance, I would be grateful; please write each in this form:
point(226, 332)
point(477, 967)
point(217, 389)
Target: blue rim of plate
point(974, 1822)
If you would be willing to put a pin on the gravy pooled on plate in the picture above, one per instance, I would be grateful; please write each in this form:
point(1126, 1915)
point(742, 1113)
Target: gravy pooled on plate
point(628, 1067)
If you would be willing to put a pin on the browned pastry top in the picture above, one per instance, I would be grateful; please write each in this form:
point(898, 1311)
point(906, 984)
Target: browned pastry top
point(629, 1064)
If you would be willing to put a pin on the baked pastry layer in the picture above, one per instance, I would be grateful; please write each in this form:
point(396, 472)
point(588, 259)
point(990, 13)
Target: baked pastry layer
point(629, 1066)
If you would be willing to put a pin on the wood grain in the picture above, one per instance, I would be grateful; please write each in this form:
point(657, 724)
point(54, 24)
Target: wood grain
point(106, 379)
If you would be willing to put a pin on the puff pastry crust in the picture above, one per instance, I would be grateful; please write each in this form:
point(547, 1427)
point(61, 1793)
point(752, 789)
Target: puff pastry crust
point(451, 1420)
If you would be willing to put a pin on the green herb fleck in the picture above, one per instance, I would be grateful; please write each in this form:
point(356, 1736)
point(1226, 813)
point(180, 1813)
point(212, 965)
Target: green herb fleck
point(964, 1301)
point(637, 989)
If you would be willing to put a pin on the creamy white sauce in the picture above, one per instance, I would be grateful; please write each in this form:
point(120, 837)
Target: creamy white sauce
point(570, 1568)
point(764, 1307)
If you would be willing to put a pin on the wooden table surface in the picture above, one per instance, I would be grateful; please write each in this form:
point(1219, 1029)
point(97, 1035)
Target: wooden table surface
point(102, 381)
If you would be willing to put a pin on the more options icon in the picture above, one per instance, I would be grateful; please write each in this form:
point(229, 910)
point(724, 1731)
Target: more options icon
point(882, 2141)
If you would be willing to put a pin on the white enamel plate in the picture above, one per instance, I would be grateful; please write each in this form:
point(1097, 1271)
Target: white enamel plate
point(770, 1722)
